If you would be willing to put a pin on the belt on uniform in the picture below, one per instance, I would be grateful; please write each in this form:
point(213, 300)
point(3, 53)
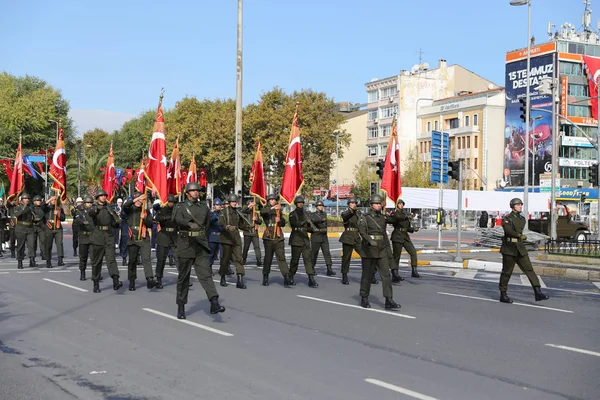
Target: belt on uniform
point(512, 240)
point(376, 237)
point(25, 223)
point(102, 227)
point(322, 230)
point(351, 229)
point(299, 229)
point(192, 233)
point(169, 229)
point(85, 233)
point(403, 229)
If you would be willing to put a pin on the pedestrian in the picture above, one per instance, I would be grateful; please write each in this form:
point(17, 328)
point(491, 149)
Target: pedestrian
point(401, 221)
point(75, 225)
point(230, 222)
point(318, 238)
point(214, 232)
point(274, 242)
point(24, 231)
point(85, 225)
point(350, 238)
point(483, 219)
point(39, 221)
point(251, 214)
point(301, 223)
point(53, 230)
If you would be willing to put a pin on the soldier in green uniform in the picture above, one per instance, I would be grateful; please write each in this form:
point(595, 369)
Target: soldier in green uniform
point(192, 219)
point(301, 224)
point(53, 231)
point(24, 231)
point(166, 238)
point(251, 233)
point(373, 248)
point(318, 238)
point(401, 221)
point(75, 225)
point(139, 221)
point(103, 240)
point(350, 238)
point(230, 222)
point(274, 241)
point(514, 252)
point(85, 225)
point(12, 223)
point(38, 226)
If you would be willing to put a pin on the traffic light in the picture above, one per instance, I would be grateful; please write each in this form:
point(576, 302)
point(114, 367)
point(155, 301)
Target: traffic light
point(373, 188)
point(582, 198)
point(380, 165)
point(593, 174)
point(523, 109)
point(454, 169)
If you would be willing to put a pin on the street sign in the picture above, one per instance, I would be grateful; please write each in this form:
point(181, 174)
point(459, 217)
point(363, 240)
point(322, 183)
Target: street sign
point(546, 183)
point(36, 158)
point(436, 154)
point(439, 159)
point(436, 141)
point(435, 176)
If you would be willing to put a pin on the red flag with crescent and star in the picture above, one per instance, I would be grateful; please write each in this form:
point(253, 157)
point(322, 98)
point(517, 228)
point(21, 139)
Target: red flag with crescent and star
point(17, 181)
point(109, 176)
point(140, 182)
point(156, 167)
point(292, 175)
point(257, 176)
point(192, 175)
point(391, 183)
point(174, 171)
point(58, 169)
point(592, 66)
point(202, 177)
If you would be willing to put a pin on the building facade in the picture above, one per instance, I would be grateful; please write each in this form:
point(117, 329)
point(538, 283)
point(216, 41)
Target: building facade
point(343, 174)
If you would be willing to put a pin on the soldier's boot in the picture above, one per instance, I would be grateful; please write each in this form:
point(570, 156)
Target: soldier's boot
point(124, 263)
point(223, 281)
point(101, 278)
point(159, 284)
point(181, 311)
point(258, 263)
point(390, 304)
point(504, 298)
point(171, 261)
point(345, 279)
point(215, 307)
point(292, 280)
point(374, 280)
point(117, 284)
point(20, 264)
point(330, 271)
point(312, 282)
point(396, 278)
point(539, 296)
point(150, 282)
point(32, 263)
point(12, 253)
point(82, 275)
point(364, 302)
point(240, 282)
point(97, 287)
point(74, 251)
point(286, 280)
point(61, 262)
point(414, 273)
point(49, 264)
point(132, 285)
point(265, 281)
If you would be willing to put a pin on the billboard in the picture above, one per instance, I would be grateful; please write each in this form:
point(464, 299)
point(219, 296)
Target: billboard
point(540, 124)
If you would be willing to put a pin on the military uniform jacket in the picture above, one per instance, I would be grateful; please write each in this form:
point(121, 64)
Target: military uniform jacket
point(167, 235)
point(319, 218)
point(513, 225)
point(300, 225)
point(133, 215)
point(350, 235)
point(229, 218)
point(84, 222)
point(400, 220)
point(249, 229)
point(214, 229)
point(49, 216)
point(12, 219)
point(374, 238)
point(187, 245)
point(268, 216)
point(3, 216)
point(105, 220)
point(24, 215)
point(38, 216)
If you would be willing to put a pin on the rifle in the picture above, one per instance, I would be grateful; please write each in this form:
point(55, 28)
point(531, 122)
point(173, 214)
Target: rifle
point(142, 228)
point(278, 216)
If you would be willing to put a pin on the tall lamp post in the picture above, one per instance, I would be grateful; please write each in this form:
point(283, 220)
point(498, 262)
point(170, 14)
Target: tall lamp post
point(527, 112)
point(238, 106)
point(337, 174)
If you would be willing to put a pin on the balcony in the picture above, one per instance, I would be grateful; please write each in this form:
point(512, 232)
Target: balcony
point(463, 153)
point(463, 130)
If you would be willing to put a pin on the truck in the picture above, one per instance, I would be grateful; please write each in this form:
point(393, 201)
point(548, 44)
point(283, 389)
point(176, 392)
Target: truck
point(566, 227)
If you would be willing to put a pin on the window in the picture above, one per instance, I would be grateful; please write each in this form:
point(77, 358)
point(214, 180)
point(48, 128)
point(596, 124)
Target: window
point(372, 150)
point(464, 143)
point(385, 130)
point(475, 184)
point(579, 90)
point(570, 68)
point(476, 120)
point(383, 149)
point(373, 133)
point(468, 142)
point(468, 162)
point(388, 92)
point(435, 125)
point(476, 137)
point(466, 120)
point(458, 140)
point(475, 164)
point(429, 126)
point(453, 123)
point(372, 115)
point(420, 147)
point(387, 112)
point(579, 111)
point(373, 95)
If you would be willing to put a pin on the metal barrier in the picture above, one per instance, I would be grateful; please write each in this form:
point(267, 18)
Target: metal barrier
point(587, 248)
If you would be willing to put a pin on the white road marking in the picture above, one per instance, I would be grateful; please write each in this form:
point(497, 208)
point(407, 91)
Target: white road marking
point(60, 270)
point(597, 284)
point(359, 307)
point(466, 274)
point(575, 349)
point(185, 321)
point(496, 301)
point(65, 285)
point(411, 393)
point(29, 272)
point(305, 274)
point(3, 273)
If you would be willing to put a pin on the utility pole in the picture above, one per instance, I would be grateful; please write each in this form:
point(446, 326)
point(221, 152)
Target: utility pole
point(458, 257)
point(238, 106)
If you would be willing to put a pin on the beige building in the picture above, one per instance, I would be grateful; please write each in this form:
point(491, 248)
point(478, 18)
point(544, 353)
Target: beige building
point(405, 94)
point(475, 124)
point(353, 154)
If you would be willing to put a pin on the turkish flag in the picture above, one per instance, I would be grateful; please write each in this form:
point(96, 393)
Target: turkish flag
point(139, 177)
point(202, 178)
point(7, 167)
point(58, 169)
point(17, 181)
point(174, 171)
point(156, 168)
point(109, 176)
point(192, 175)
point(129, 175)
point(392, 181)
point(292, 175)
point(592, 66)
point(257, 176)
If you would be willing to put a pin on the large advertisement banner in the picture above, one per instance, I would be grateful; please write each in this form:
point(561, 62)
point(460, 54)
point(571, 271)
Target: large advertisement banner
point(540, 124)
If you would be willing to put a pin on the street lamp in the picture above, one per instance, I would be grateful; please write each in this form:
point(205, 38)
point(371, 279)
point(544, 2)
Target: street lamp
point(337, 174)
point(517, 3)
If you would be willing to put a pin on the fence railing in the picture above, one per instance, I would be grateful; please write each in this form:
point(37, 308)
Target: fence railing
point(588, 248)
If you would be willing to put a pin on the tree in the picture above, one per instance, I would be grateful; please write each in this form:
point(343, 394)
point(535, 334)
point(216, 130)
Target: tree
point(364, 174)
point(132, 140)
point(416, 174)
point(96, 141)
point(91, 174)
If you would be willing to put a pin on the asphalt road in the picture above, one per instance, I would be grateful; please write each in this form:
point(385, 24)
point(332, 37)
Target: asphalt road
point(451, 339)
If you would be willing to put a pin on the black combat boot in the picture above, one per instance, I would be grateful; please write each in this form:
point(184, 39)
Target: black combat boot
point(61, 262)
point(20, 264)
point(171, 261)
point(150, 282)
point(312, 282)
point(286, 280)
point(414, 272)
point(396, 278)
point(181, 311)
point(265, 281)
point(32, 263)
point(49, 264)
point(223, 281)
point(364, 302)
point(330, 271)
point(74, 251)
point(12, 253)
point(124, 263)
point(97, 287)
point(240, 282)
point(345, 279)
point(292, 280)
point(390, 304)
point(215, 307)
point(117, 284)
point(539, 296)
point(504, 298)
point(132, 285)
point(159, 284)
point(82, 275)
point(259, 263)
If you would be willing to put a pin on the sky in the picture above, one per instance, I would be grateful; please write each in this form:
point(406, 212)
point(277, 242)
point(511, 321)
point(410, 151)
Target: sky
point(111, 58)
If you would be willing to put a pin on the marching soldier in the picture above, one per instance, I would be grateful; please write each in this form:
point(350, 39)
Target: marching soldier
point(350, 238)
point(12, 223)
point(76, 225)
point(214, 232)
point(38, 227)
point(192, 219)
point(374, 256)
point(251, 233)
point(318, 238)
point(230, 222)
point(24, 231)
point(53, 231)
point(513, 251)
point(85, 228)
point(138, 240)
point(274, 241)
point(401, 221)
point(166, 239)
point(103, 240)
point(301, 223)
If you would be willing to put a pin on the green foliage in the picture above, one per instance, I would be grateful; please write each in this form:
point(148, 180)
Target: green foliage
point(416, 174)
point(364, 174)
point(95, 141)
point(133, 140)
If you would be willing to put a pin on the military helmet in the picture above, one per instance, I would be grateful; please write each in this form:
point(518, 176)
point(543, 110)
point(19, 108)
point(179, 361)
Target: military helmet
point(352, 200)
point(515, 201)
point(400, 201)
point(217, 202)
point(319, 203)
point(299, 199)
point(192, 186)
point(37, 197)
point(101, 193)
point(79, 200)
point(273, 196)
point(25, 196)
point(376, 199)
point(88, 199)
point(171, 198)
point(232, 198)
point(137, 193)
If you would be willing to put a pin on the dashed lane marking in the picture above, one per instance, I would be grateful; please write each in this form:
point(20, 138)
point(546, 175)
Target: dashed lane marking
point(185, 321)
point(398, 389)
point(65, 285)
point(496, 301)
point(396, 314)
point(575, 349)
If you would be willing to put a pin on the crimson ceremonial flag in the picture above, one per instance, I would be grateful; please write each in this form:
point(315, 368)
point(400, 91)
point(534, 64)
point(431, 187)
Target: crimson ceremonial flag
point(109, 176)
point(156, 168)
point(140, 183)
point(174, 171)
point(202, 177)
point(592, 66)
point(58, 169)
point(192, 175)
point(7, 167)
point(17, 181)
point(292, 175)
point(257, 176)
point(392, 181)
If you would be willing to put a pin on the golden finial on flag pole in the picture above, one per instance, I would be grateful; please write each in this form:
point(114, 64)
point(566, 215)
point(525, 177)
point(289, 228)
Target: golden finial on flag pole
point(162, 94)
